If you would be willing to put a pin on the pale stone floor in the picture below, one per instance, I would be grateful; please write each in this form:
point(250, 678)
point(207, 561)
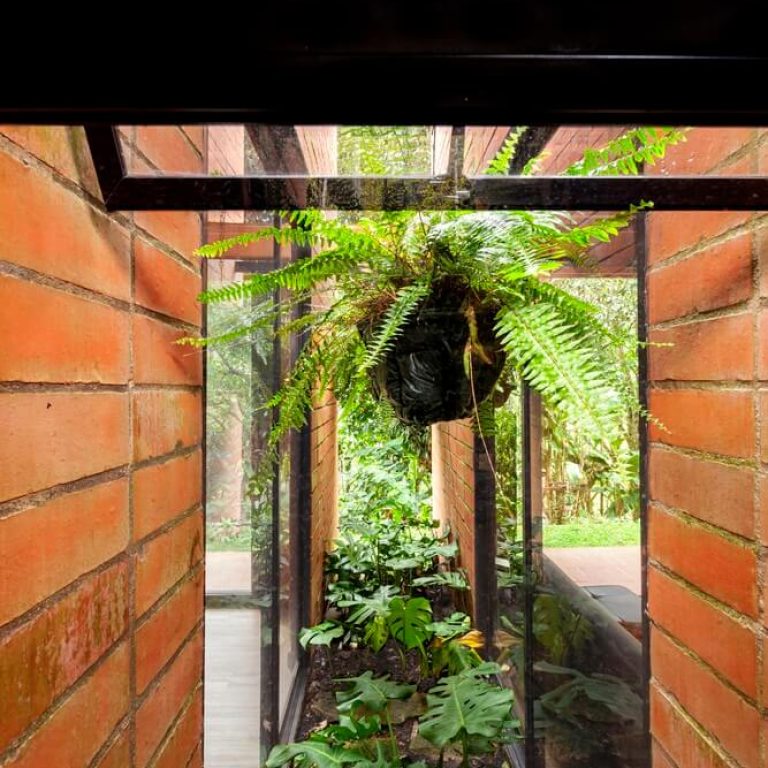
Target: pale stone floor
point(600, 566)
point(228, 572)
point(232, 688)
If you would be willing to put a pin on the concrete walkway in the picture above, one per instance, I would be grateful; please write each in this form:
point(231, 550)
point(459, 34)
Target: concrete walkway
point(228, 572)
point(232, 688)
point(600, 566)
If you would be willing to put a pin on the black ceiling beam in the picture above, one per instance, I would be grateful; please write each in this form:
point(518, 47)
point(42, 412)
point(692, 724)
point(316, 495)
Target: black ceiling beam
point(107, 157)
point(377, 193)
point(433, 89)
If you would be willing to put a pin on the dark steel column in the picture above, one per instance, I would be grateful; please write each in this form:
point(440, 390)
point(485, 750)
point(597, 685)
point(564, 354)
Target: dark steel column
point(640, 226)
point(485, 598)
point(531, 450)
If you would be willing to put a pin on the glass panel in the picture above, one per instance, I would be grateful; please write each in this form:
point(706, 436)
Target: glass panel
point(456, 151)
point(510, 634)
point(290, 590)
point(584, 617)
point(238, 535)
point(252, 528)
point(587, 612)
point(238, 383)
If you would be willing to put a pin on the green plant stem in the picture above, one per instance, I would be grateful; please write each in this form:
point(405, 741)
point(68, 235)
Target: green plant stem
point(392, 739)
point(402, 656)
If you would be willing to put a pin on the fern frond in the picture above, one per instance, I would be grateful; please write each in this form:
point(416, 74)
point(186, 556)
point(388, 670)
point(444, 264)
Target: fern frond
point(483, 419)
point(626, 153)
point(283, 235)
point(560, 363)
point(499, 165)
point(395, 318)
point(320, 366)
point(573, 243)
point(222, 338)
point(301, 275)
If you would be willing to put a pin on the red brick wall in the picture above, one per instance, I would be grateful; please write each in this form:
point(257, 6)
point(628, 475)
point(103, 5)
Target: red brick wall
point(453, 487)
point(707, 286)
point(101, 529)
point(324, 514)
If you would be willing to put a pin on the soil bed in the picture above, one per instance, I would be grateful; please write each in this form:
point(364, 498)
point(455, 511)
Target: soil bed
point(328, 666)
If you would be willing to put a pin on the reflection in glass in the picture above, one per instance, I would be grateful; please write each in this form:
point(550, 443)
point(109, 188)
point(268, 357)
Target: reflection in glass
point(289, 589)
point(580, 604)
point(255, 149)
point(238, 535)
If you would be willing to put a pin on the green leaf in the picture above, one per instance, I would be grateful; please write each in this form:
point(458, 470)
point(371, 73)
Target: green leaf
point(371, 693)
point(408, 621)
point(587, 699)
point(365, 608)
point(403, 563)
point(317, 753)
point(376, 633)
point(456, 624)
point(350, 729)
point(464, 705)
point(453, 579)
point(320, 634)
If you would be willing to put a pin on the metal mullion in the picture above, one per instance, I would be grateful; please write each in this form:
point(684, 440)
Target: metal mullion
point(485, 587)
point(640, 230)
point(531, 473)
point(271, 720)
point(611, 193)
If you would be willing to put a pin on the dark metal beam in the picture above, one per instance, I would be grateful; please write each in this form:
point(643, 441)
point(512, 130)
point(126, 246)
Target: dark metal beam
point(107, 157)
point(746, 193)
point(496, 86)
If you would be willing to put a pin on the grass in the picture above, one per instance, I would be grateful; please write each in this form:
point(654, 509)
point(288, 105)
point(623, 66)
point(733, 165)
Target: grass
point(224, 537)
point(593, 533)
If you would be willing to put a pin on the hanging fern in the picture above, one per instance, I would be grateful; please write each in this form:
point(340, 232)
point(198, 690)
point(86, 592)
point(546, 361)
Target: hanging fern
point(404, 305)
point(378, 272)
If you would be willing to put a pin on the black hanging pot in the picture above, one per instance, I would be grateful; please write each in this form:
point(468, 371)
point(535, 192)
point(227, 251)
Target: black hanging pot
point(424, 374)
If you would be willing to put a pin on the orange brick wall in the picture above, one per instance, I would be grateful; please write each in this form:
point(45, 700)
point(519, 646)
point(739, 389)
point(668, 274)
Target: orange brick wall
point(453, 487)
point(707, 286)
point(324, 515)
point(101, 528)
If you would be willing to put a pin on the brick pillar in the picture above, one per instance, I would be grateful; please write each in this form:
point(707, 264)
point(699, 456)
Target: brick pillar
point(706, 284)
point(324, 468)
point(453, 483)
point(101, 527)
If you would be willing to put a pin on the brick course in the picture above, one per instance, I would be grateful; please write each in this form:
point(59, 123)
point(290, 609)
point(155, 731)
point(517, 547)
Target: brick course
point(707, 516)
point(100, 471)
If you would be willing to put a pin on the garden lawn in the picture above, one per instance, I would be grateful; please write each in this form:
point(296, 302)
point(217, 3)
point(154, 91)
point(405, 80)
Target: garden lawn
point(593, 533)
